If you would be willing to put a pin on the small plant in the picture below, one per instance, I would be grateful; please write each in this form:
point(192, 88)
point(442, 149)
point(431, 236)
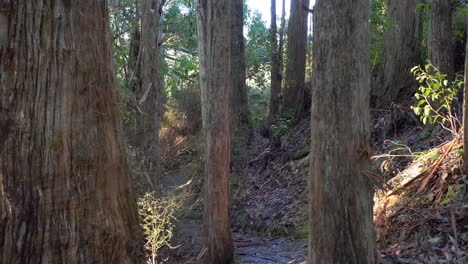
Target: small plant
point(157, 217)
point(435, 97)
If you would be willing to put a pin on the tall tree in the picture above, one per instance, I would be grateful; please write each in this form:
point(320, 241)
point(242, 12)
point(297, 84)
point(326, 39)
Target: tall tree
point(281, 37)
point(214, 31)
point(465, 109)
point(440, 50)
point(340, 217)
point(66, 194)
point(151, 98)
point(293, 94)
point(275, 98)
point(402, 51)
point(240, 103)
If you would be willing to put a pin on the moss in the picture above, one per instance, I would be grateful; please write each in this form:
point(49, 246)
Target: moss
point(454, 194)
point(302, 232)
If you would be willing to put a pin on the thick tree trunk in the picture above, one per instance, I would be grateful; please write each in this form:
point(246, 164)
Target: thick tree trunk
point(240, 105)
point(65, 190)
point(293, 94)
point(402, 51)
point(275, 97)
point(340, 216)
point(151, 99)
point(214, 31)
point(441, 44)
point(465, 110)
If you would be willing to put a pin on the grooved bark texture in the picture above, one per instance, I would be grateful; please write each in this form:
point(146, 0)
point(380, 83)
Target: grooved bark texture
point(465, 110)
point(340, 216)
point(65, 190)
point(151, 99)
point(275, 97)
point(402, 51)
point(240, 105)
point(293, 94)
point(214, 31)
point(441, 44)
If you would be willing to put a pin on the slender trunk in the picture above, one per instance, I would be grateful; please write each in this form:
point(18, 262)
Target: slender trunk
point(281, 39)
point(214, 32)
point(275, 97)
point(240, 105)
point(402, 51)
point(151, 99)
point(293, 94)
point(465, 110)
point(441, 44)
point(340, 217)
point(65, 189)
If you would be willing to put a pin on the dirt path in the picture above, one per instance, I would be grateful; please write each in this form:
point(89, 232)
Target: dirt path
point(250, 248)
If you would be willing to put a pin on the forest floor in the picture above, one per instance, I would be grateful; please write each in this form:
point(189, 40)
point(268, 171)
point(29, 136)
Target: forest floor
point(250, 247)
point(421, 201)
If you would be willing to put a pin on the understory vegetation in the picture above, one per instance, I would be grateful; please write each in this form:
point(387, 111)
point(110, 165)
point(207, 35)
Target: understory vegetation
point(420, 198)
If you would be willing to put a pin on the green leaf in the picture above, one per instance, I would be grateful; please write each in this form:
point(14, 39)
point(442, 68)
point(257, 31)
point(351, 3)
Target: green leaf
point(420, 102)
point(427, 110)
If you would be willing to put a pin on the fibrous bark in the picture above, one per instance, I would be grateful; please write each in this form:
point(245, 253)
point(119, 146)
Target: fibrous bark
point(293, 93)
point(275, 97)
point(65, 189)
point(151, 99)
point(465, 111)
point(214, 31)
point(340, 216)
point(440, 50)
point(402, 51)
point(240, 105)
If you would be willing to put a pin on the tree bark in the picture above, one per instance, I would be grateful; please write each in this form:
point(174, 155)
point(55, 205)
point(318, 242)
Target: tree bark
point(465, 110)
point(402, 51)
point(240, 105)
point(275, 97)
point(281, 38)
point(214, 31)
point(441, 44)
point(293, 94)
point(151, 99)
point(65, 189)
point(340, 217)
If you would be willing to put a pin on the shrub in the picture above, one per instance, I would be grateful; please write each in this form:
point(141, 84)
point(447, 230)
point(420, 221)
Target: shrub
point(157, 220)
point(435, 97)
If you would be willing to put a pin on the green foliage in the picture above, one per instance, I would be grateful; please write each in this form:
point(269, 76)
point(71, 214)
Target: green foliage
point(283, 123)
point(459, 21)
point(435, 96)
point(378, 24)
point(157, 219)
point(259, 100)
point(257, 49)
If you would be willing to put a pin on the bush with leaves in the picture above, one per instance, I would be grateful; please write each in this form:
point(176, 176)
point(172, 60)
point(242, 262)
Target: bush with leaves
point(157, 219)
point(435, 97)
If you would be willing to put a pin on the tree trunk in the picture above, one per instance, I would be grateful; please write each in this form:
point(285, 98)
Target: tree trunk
point(402, 51)
point(240, 103)
point(275, 97)
point(65, 189)
point(465, 110)
point(441, 44)
point(340, 217)
point(214, 31)
point(281, 39)
point(151, 99)
point(293, 93)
